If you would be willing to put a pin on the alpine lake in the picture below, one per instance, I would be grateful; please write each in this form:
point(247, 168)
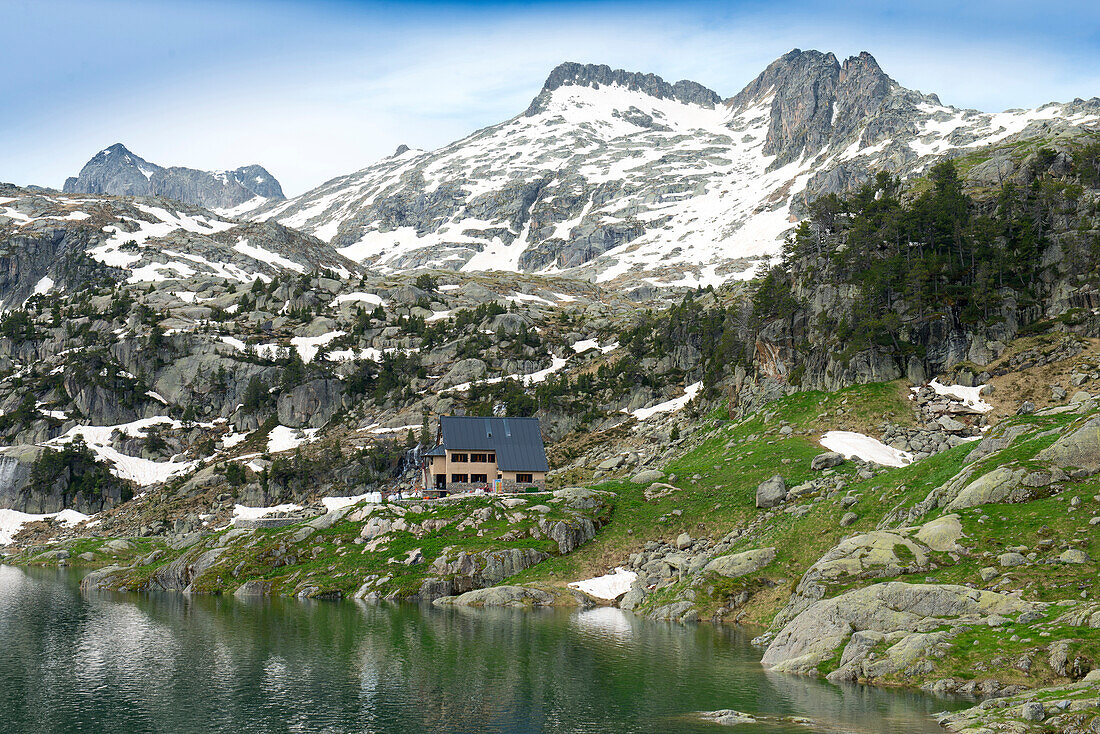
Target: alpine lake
point(108, 662)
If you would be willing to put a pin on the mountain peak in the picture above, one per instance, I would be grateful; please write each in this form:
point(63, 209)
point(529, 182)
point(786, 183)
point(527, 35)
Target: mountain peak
point(814, 99)
point(118, 171)
point(571, 73)
point(116, 148)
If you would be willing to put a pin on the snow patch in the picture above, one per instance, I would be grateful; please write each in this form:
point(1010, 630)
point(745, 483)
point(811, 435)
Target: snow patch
point(360, 297)
point(969, 396)
point(850, 443)
point(282, 438)
point(308, 346)
point(669, 406)
point(585, 344)
point(43, 286)
point(338, 503)
point(134, 468)
point(12, 521)
point(243, 512)
point(609, 587)
point(271, 258)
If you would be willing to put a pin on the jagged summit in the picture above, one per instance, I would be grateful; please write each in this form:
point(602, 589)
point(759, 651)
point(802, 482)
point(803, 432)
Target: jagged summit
point(571, 73)
point(615, 175)
point(814, 100)
point(118, 171)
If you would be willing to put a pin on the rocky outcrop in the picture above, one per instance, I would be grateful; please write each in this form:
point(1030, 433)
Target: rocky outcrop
point(310, 405)
point(875, 554)
point(771, 492)
point(178, 575)
point(816, 634)
point(499, 596)
point(15, 473)
point(1079, 449)
point(740, 564)
point(468, 571)
point(597, 75)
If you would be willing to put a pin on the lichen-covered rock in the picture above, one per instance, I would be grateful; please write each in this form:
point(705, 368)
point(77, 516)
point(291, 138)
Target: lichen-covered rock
point(826, 460)
point(253, 588)
point(771, 492)
point(817, 633)
point(648, 476)
point(1079, 449)
point(867, 555)
point(499, 596)
point(468, 571)
point(740, 564)
point(999, 485)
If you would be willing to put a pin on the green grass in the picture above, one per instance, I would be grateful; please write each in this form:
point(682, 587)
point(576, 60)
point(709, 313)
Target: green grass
point(981, 652)
point(335, 565)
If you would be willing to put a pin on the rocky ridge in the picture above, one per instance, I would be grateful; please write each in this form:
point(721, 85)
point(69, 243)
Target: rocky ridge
point(118, 172)
point(620, 176)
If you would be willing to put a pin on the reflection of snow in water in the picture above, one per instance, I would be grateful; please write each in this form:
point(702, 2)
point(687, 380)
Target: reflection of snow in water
point(606, 622)
point(119, 641)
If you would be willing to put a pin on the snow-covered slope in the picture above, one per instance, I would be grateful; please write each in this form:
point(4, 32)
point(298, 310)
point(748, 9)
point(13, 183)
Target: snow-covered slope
point(63, 242)
point(612, 175)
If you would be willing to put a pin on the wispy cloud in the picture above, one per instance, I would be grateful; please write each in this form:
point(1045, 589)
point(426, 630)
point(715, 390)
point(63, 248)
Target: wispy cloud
point(313, 90)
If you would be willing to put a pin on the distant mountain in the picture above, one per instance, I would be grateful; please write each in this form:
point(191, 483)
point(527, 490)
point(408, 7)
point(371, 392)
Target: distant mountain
point(119, 172)
point(615, 175)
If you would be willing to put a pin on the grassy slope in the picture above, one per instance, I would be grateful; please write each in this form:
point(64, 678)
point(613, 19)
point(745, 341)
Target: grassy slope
point(718, 478)
point(330, 559)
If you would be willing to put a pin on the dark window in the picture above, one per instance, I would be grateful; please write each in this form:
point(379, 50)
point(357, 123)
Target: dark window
point(479, 478)
point(491, 458)
point(524, 478)
point(461, 478)
point(478, 458)
point(458, 458)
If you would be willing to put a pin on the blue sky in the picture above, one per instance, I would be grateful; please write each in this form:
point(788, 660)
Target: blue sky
point(312, 90)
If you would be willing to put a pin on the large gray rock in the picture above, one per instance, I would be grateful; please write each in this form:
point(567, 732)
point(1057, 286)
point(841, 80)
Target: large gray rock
point(466, 370)
point(771, 492)
point(816, 634)
point(311, 404)
point(740, 564)
point(99, 578)
point(499, 596)
point(569, 534)
point(467, 571)
point(999, 485)
point(1033, 711)
point(826, 460)
point(1079, 449)
point(253, 588)
point(647, 476)
point(1074, 555)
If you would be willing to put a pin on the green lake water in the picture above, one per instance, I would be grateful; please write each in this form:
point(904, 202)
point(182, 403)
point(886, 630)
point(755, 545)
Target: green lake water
point(105, 662)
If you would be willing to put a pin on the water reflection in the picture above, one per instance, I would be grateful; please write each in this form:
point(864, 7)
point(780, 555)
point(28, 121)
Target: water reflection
point(137, 663)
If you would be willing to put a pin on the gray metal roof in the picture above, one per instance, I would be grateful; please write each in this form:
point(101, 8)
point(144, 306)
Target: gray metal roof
point(437, 451)
point(516, 441)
